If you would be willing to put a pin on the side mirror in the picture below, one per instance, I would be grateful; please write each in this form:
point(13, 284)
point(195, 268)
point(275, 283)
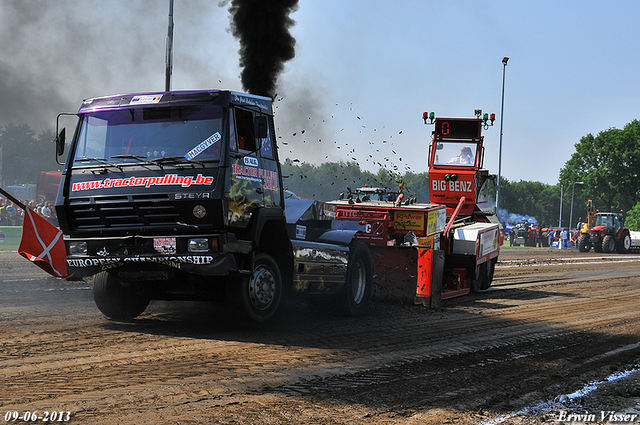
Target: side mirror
point(60, 140)
point(260, 127)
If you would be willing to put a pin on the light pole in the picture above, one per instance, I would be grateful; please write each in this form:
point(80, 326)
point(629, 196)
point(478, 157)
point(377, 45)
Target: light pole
point(169, 53)
point(504, 68)
point(560, 218)
point(573, 187)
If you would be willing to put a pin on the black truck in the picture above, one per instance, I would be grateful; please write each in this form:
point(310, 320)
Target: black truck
point(179, 196)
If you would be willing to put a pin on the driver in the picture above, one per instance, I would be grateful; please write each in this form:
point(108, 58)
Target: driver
point(465, 157)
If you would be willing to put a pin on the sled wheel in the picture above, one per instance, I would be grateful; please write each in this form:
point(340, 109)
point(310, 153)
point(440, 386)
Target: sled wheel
point(480, 272)
point(488, 277)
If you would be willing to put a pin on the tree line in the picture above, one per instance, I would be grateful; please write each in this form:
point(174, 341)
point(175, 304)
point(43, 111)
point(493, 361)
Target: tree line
point(326, 181)
point(523, 200)
point(605, 168)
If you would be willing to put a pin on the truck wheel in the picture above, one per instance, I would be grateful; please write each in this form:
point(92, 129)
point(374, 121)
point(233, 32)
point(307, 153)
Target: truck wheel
point(358, 288)
point(624, 244)
point(488, 277)
point(608, 244)
point(480, 273)
point(583, 243)
point(260, 293)
point(115, 300)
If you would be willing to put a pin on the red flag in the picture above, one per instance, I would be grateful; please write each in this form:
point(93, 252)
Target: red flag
point(43, 245)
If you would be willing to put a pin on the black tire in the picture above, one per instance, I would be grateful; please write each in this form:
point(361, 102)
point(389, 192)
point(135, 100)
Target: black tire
point(608, 244)
point(624, 244)
point(259, 294)
point(358, 288)
point(480, 273)
point(597, 246)
point(583, 243)
point(488, 277)
point(115, 300)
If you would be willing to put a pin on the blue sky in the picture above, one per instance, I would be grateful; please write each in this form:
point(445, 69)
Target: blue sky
point(363, 73)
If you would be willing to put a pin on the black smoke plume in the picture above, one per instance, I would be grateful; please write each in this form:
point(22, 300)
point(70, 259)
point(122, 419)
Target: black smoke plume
point(262, 27)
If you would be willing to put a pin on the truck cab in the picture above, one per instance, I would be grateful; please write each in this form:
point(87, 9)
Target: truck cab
point(178, 164)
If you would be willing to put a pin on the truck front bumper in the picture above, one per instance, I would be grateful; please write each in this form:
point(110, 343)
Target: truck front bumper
point(147, 253)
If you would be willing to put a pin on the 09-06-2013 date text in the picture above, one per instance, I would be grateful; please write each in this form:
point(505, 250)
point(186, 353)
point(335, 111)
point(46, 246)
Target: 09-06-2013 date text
point(35, 416)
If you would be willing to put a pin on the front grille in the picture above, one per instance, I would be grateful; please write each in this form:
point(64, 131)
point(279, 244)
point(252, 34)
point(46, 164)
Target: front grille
point(122, 212)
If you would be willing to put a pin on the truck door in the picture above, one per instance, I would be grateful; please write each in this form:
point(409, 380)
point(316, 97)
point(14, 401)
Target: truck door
point(254, 177)
point(270, 168)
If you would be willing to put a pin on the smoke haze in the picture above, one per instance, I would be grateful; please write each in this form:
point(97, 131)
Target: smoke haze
point(513, 218)
point(262, 26)
point(56, 53)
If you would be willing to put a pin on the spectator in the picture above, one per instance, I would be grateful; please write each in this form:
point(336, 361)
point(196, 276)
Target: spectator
point(46, 211)
point(12, 212)
point(539, 235)
point(4, 214)
point(564, 235)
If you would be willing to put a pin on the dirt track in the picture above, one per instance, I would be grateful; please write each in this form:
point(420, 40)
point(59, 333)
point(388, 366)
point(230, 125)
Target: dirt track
point(552, 323)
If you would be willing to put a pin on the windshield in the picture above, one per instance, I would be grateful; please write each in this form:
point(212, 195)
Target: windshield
point(379, 195)
point(605, 220)
point(455, 153)
point(126, 135)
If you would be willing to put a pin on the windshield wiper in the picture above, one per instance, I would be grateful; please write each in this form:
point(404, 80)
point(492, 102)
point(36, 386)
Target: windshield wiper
point(99, 160)
point(182, 159)
point(142, 159)
point(159, 161)
point(138, 157)
point(168, 159)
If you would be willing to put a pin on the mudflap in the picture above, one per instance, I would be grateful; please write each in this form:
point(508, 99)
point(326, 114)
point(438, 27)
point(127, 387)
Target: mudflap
point(430, 276)
point(396, 273)
point(408, 274)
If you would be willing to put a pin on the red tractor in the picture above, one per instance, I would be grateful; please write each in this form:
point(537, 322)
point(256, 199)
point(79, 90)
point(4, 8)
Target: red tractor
point(607, 234)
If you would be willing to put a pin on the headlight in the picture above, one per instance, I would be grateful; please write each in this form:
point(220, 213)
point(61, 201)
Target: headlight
point(198, 245)
point(78, 248)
